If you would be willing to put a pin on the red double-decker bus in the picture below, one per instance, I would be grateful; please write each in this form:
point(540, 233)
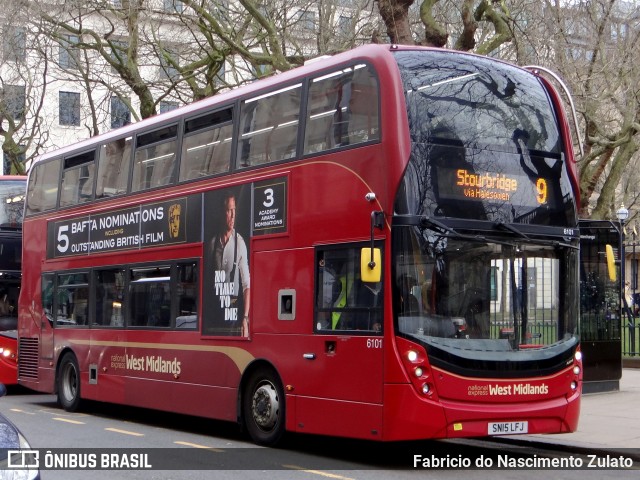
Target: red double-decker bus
point(380, 245)
point(12, 193)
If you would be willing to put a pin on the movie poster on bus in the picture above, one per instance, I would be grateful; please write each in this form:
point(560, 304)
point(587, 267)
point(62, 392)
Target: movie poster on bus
point(227, 280)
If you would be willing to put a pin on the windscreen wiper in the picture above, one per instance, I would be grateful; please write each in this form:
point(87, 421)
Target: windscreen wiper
point(513, 229)
point(428, 222)
point(432, 222)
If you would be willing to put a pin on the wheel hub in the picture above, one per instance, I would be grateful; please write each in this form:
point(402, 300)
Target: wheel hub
point(265, 406)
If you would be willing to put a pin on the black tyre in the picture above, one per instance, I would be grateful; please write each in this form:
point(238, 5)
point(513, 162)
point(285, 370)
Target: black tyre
point(263, 406)
point(69, 383)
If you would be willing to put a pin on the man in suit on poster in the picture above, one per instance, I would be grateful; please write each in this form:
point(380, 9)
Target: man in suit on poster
point(230, 256)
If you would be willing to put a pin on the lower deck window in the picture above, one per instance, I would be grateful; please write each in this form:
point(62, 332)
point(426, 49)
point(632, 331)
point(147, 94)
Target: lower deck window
point(72, 299)
point(163, 296)
point(109, 296)
point(150, 294)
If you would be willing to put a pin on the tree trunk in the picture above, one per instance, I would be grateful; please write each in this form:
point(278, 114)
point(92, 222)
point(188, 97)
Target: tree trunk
point(395, 15)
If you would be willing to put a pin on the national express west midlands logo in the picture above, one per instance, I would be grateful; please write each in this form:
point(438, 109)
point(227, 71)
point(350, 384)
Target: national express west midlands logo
point(522, 389)
point(175, 210)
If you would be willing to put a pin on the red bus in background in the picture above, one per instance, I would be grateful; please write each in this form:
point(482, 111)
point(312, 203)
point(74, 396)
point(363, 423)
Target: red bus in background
point(380, 245)
point(9, 357)
point(12, 193)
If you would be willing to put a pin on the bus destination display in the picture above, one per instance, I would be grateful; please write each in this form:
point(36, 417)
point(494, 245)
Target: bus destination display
point(484, 186)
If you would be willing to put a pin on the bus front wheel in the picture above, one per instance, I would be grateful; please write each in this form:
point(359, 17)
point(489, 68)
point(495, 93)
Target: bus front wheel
point(69, 383)
point(263, 407)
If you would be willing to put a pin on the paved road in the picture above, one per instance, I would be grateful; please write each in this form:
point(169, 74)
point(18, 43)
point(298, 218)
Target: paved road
point(201, 448)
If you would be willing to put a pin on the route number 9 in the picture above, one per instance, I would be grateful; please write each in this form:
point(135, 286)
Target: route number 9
point(541, 187)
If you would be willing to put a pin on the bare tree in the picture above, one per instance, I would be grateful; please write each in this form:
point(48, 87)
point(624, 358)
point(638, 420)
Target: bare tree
point(112, 32)
point(143, 55)
point(594, 45)
point(470, 20)
point(23, 85)
point(181, 53)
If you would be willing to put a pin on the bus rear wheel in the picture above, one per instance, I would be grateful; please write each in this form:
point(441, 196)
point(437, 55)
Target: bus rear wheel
point(69, 383)
point(263, 407)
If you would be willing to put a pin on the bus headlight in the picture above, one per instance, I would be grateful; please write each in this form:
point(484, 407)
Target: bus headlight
point(412, 355)
point(578, 356)
point(426, 389)
point(576, 370)
point(418, 371)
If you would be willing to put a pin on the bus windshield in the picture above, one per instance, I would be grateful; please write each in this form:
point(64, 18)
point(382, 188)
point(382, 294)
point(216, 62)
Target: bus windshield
point(485, 142)
point(483, 238)
point(481, 295)
point(11, 203)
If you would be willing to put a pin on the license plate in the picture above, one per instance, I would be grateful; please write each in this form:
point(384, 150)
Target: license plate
point(508, 428)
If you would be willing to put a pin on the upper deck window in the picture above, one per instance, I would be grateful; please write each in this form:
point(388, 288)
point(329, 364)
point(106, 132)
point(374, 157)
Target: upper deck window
point(486, 144)
point(42, 192)
point(77, 179)
point(476, 102)
point(12, 203)
point(342, 109)
point(269, 127)
point(154, 159)
point(206, 148)
point(113, 168)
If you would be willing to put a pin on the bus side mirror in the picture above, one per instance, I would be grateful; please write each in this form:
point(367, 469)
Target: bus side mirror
point(370, 265)
point(611, 263)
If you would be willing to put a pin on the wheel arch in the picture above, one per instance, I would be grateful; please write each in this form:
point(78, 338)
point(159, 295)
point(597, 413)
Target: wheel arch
point(254, 366)
point(62, 354)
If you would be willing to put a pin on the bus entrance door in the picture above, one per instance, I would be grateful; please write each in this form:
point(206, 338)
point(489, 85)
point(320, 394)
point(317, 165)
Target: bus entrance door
point(342, 378)
point(343, 371)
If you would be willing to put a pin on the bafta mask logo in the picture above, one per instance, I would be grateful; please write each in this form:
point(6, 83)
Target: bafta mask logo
point(174, 220)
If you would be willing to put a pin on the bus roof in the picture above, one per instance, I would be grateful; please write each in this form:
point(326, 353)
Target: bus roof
point(13, 177)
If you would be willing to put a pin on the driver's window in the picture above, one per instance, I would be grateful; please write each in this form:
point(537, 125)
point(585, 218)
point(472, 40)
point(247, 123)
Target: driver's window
point(343, 300)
